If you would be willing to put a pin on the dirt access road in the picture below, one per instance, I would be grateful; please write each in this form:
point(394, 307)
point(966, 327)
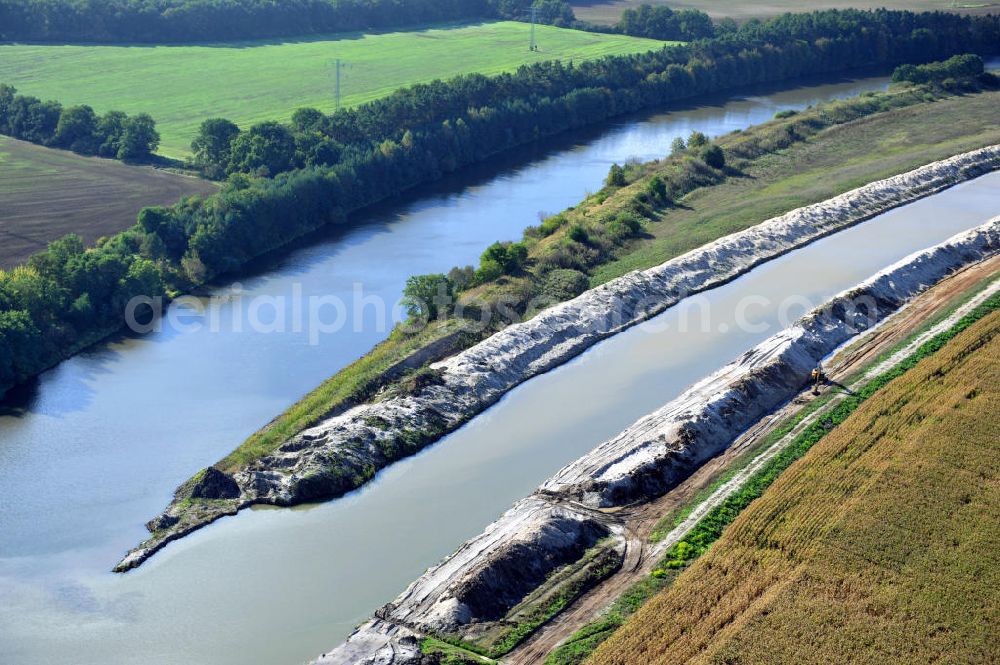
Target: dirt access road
point(642, 556)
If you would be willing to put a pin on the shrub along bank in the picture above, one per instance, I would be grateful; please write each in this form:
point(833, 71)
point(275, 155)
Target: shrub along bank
point(949, 73)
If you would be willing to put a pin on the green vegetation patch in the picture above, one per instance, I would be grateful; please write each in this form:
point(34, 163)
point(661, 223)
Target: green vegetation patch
point(451, 654)
point(583, 642)
point(675, 517)
point(563, 586)
point(249, 82)
point(852, 151)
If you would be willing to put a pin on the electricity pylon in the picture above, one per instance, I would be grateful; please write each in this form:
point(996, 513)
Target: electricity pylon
point(533, 46)
point(338, 67)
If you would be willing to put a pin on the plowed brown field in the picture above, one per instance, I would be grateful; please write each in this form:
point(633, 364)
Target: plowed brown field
point(46, 193)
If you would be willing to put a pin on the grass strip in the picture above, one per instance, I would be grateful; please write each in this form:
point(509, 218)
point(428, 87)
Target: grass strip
point(598, 563)
point(673, 518)
point(450, 654)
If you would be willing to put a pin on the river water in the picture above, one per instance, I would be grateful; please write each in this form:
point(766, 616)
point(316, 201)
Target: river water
point(97, 446)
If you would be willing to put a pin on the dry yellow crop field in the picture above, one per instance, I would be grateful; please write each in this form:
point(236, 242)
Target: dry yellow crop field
point(881, 545)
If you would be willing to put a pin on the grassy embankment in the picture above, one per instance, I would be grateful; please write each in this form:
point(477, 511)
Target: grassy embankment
point(48, 193)
point(818, 164)
point(708, 530)
point(607, 12)
point(879, 545)
point(267, 80)
point(356, 382)
point(838, 159)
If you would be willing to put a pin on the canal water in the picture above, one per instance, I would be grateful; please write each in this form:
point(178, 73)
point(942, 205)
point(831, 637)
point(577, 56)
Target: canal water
point(98, 444)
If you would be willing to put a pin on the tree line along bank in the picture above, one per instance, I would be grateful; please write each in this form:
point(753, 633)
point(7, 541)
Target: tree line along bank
point(284, 181)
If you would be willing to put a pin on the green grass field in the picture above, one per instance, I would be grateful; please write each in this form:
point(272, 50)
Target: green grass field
point(251, 81)
point(837, 160)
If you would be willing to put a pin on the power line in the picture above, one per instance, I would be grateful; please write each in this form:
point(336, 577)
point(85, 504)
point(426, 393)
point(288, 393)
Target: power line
point(533, 46)
point(338, 66)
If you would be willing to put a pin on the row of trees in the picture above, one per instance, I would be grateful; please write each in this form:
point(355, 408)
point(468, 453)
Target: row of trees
point(216, 20)
point(419, 133)
point(77, 128)
point(150, 21)
point(65, 295)
point(662, 22)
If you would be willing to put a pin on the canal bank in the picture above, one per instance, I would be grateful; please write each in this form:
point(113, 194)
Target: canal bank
point(114, 431)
